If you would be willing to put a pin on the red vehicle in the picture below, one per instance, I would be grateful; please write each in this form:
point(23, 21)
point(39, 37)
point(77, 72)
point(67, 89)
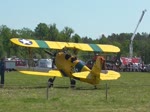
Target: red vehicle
point(127, 60)
point(131, 64)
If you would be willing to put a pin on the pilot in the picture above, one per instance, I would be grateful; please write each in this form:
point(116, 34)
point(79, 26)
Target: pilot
point(104, 69)
point(103, 61)
point(2, 71)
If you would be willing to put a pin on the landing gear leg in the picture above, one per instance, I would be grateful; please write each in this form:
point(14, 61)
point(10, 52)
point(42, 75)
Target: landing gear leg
point(95, 87)
point(50, 81)
point(72, 83)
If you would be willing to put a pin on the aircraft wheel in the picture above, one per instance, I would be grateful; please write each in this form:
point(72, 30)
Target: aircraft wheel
point(73, 83)
point(50, 82)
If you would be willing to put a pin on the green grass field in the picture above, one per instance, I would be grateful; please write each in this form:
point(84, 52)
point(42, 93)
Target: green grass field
point(24, 93)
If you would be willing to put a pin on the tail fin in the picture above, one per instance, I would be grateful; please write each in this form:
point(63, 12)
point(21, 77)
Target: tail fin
point(93, 76)
point(97, 67)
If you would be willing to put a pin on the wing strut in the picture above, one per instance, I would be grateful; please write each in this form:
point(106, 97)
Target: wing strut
point(30, 58)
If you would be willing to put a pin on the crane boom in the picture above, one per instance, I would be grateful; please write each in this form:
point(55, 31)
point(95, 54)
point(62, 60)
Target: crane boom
point(131, 41)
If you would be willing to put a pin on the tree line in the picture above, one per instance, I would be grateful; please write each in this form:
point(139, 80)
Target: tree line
point(141, 43)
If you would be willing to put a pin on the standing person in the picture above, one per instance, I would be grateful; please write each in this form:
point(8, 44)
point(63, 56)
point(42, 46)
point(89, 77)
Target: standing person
point(2, 71)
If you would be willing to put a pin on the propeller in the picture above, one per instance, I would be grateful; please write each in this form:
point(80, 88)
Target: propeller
point(53, 57)
point(50, 53)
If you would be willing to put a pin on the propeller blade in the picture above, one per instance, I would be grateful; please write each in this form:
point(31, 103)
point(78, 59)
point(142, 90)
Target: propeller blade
point(49, 53)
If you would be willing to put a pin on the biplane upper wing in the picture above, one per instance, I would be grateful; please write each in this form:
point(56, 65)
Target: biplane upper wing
point(51, 73)
point(110, 75)
point(60, 45)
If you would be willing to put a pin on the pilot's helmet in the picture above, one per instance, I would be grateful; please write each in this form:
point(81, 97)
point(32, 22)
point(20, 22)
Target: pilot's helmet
point(102, 59)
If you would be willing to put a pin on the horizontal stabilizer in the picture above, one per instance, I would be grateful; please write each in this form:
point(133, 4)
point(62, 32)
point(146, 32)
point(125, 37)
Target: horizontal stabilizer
point(50, 73)
point(110, 75)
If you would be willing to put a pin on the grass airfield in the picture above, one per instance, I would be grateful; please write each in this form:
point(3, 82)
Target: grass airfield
point(25, 93)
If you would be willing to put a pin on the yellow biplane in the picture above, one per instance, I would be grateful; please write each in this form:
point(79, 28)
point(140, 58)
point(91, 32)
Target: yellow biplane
point(70, 66)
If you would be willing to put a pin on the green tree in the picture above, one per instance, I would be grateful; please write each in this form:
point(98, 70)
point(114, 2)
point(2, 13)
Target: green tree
point(66, 34)
point(41, 31)
point(53, 33)
point(25, 33)
point(87, 40)
point(14, 48)
point(5, 33)
point(103, 40)
point(76, 38)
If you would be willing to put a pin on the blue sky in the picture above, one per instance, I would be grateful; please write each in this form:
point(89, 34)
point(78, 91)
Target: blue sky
point(90, 18)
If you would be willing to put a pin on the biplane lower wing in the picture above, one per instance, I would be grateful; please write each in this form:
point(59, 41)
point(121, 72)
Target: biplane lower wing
point(51, 73)
point(110, 75)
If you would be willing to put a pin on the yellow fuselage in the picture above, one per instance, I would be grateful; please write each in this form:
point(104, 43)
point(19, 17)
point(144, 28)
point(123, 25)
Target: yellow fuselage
point(68, 65)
